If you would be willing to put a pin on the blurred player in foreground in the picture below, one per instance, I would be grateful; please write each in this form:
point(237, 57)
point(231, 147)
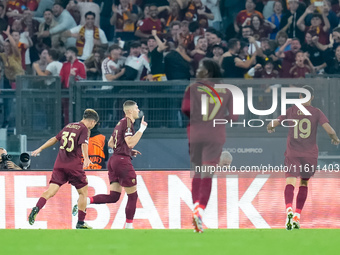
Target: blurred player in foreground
point(301, 156)
point(205, 140)
point(68, 166)
point(120, 169)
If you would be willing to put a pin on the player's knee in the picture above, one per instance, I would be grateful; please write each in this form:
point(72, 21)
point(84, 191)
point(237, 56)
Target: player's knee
point(114, 196)
point(304, 183)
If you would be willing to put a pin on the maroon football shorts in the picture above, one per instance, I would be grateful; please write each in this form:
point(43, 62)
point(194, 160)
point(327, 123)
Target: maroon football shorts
point(303, 167)
point(121, 170)
point(207, 153)
point(77, 178)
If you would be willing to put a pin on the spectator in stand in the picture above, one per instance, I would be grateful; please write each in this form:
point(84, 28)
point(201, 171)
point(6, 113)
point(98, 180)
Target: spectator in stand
point(105, 17)
point(174, 30)
point(329, 50)
point(314, 53)
point(84, 6)
point(214, 7)
point(289, 21)
point(170, 13)
point(156, 47)
point(195, 32)
point(22, 46)
point(73, 9)
point(316, 24)
point(266, 72)
point(331, 16)
point(53, 67)
point(94, 65)
point(333, 63)
point(149, 24)
point(218, 51)
point(276, 18)
point(15, 8)
point(177, 63)
point(3, 18)
point(12, 64)
point(247, 36)
point(48, 23)
point(234, 66)
point(300, 69)
point(214, 37)
point(124, 18)
point(199, 52)
point(243, 15)
point(197, 11)
point(32, 27)
point(71, 68)
point(144, 46)
point(281, 39)
point(65, 22)
point(41, 64)
point(261, 28)
point(88, 37)
point(288, 57)
point(112, 66)
point(135, 63)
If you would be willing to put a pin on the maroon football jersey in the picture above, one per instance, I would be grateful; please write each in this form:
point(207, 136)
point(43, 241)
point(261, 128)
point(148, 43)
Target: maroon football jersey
point(150, 24)
point(201, 127)
point(301, 140)
point(71, 138)
point(123, 129)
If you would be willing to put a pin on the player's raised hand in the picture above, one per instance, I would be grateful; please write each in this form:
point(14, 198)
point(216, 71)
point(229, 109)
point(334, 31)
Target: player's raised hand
point(36, 152)
point(270, 129)
point(143, 122)
point(86, 163)
point(134, 153)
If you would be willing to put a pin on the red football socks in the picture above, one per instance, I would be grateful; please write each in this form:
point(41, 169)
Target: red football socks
point(105, 199)
point(131, 206)
point(289, 195)
point(205, 190)
point(301, 198)
point(41, 202)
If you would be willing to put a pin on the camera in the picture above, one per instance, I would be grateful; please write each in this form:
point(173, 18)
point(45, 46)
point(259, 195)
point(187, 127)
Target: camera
point(5, 158)
point(25, 160)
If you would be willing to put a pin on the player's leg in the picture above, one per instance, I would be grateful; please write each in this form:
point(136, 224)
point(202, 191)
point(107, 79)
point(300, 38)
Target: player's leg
point(130, 208)
point(289, 196)
point(196, 160)
point(113, 197)
point(82, 208)
point(300, 202)
point(50, 192)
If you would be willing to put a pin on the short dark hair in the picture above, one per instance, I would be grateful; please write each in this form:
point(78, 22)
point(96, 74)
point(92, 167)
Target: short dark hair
point(135, 44)
point(73, 49)
point(91, 114)
point(54, 54)
point(128, 103)
point(210, 30)
point(310, 89)
point(151, 38)
point(90, 13)
point(48, 10)
point(114, 47)
point(232, 43)
point(174, 23)
point(62, 3)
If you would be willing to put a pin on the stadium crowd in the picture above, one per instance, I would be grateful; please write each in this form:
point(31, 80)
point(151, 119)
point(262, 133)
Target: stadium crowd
point(165, 39)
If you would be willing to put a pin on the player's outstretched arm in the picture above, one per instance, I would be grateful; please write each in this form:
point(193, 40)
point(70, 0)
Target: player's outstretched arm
point(85, 151)
point(272, 125)
point(331, 132)
point(52, 141)
point(132, 141)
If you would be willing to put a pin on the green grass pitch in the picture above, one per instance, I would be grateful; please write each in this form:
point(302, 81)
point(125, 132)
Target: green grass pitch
point(174, 242)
